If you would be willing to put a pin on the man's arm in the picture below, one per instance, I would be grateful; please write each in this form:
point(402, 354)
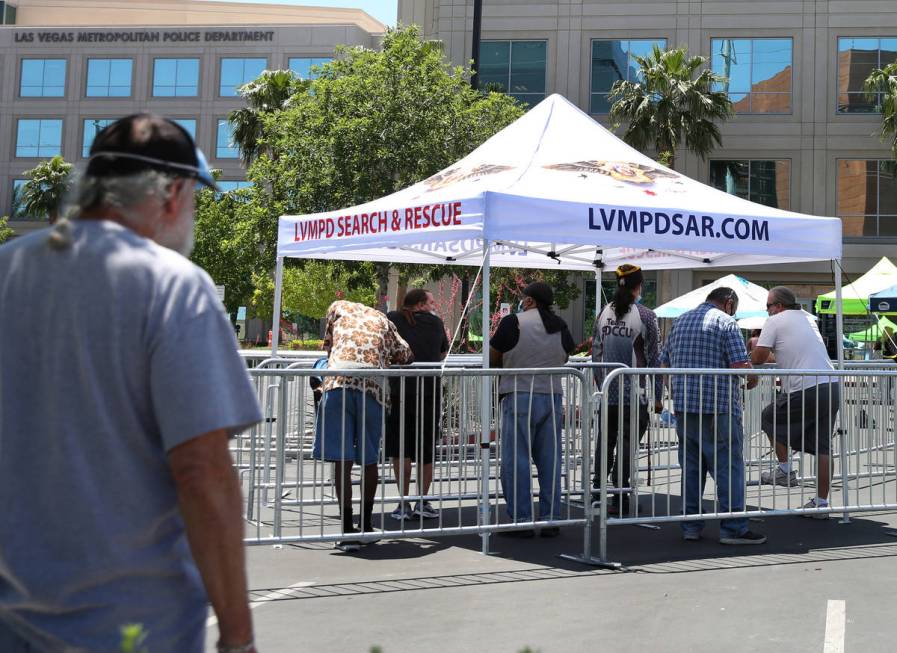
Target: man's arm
point(752, 379)
point(760, 355)
point(495, 357)
point(210, 503)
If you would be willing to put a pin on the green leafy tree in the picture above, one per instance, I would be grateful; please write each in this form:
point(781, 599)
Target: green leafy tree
point(228, 244)
point(371, 123)
point(269, 93)
point(6, 232)
point(671, 102)
point(310, 289)
point(47, 184)
point(881, 86)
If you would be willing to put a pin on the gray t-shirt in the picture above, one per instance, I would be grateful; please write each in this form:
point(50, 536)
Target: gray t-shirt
point(112, 353)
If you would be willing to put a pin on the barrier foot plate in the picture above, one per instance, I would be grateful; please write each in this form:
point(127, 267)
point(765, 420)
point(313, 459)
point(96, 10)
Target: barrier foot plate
point(650, 527)
point(591, 561)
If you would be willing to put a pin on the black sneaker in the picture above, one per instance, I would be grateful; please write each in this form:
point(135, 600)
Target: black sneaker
point(617, 506)
point(349, 546)
point(748, 537)
point(550, 531)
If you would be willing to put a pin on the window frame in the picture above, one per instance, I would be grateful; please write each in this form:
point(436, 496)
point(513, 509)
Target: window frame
point(13, 216)
point(592, 42)
point(749, 94)
point(226, 57)
point(84, 120)
point(89, 59)
point(290, 57)
point(878, 238)
point(20, 78)
point(838, 39)
point(236, 156)
point(15, 138)
point(176, 58)
point(508, 92)
point(753, 159)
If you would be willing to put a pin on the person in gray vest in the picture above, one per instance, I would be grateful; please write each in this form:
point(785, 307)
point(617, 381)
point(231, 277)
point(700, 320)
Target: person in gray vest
point(531, 406)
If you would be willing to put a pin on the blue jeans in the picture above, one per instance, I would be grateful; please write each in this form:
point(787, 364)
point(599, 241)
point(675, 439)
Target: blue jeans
point(699, 454)
point(531, 430)
point(348, 427)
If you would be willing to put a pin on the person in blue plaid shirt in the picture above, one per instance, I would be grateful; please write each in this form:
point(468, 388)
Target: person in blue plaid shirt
point(708, 412)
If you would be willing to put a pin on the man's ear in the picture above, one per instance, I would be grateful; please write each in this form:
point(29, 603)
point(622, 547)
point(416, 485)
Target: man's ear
point(172, 203)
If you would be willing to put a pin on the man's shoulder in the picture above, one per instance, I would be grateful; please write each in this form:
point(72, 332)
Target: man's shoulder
point(509, 320)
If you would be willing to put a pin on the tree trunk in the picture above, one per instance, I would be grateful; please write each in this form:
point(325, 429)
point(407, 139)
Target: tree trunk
point(382, 285)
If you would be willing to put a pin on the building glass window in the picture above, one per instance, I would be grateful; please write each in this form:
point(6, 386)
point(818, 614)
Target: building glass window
point(867, 198)
point(758, 73)
point(614, 60)
point(224, 145)
point(176, 78)
point(109, 77)
point(15, 209)
point(301, 66)
point(189, 124)
point(515, 67)
point(92, 127)
point(38, 138)
point(857, 58)
point(231, 186)
point(236, 72)
point(42, 78)
point(763, 182)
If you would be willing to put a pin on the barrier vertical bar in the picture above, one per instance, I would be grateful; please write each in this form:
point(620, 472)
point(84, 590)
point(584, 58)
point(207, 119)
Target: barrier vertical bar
point(280, 453)
point(485, 406)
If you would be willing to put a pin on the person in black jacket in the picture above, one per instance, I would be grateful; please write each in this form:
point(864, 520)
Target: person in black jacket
point(412, 423)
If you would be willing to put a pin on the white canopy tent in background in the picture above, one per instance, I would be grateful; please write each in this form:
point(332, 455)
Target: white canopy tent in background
point(557, 190)
point(751, 298)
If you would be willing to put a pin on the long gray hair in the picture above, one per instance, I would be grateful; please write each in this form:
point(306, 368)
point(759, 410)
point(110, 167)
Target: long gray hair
point(122, 194)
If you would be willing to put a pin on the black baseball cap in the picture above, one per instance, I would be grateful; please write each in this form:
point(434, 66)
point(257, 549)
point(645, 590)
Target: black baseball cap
point(143, 141)
point(541, 293)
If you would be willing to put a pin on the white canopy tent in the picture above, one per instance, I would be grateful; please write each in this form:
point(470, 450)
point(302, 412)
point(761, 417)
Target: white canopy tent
point(751, 299)
point(556, 189)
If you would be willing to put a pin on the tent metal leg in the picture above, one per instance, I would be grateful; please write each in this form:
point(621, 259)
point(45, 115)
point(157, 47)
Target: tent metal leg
point(275, 319)
point(485, 407)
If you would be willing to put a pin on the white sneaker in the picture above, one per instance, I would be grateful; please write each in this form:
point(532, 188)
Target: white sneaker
point(778, 477)
point(812, 505)
point(402, 512)
point(426, 510)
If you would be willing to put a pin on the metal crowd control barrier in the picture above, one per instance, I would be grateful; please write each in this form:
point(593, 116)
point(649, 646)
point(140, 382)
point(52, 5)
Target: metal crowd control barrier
point(293, 496)
point(853, 417)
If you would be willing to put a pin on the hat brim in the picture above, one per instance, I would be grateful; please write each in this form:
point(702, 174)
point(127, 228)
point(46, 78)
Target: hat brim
point(204, 173)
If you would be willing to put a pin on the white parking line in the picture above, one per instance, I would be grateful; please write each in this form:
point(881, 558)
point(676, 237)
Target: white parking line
point(267, 598)
point(835, 623)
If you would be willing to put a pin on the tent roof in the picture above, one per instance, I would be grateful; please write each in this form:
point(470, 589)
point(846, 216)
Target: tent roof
point(556, 189)
point(751, 298)
point(855, 297)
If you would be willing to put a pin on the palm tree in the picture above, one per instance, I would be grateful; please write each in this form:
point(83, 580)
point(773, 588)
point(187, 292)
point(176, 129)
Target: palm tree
point(667, 105)
point(47, 184)
point(881, 86)
point(271, 91)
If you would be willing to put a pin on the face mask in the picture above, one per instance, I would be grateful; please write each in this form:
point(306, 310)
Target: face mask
point(638, 299)
point(519, 307)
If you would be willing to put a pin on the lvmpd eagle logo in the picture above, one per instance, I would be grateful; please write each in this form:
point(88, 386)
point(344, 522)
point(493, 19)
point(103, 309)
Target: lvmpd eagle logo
point(625, 171)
